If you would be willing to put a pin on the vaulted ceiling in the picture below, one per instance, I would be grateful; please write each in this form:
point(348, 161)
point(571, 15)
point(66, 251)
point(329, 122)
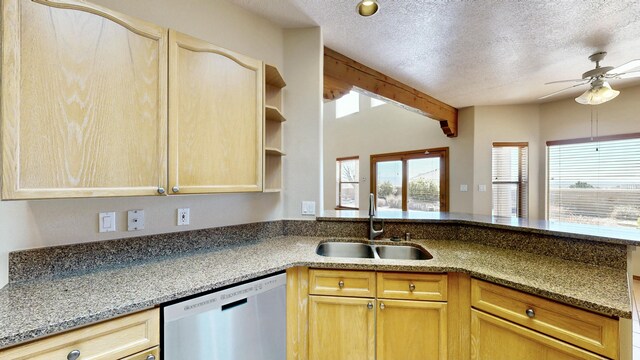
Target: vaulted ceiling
point(466, 52)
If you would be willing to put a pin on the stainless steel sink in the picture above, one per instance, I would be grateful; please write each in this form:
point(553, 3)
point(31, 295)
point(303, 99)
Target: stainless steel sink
point(345, 249)
point(405, 252)
point(364, 251)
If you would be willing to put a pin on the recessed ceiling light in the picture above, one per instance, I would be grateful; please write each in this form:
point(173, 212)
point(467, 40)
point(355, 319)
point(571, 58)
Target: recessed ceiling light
point(367, 7)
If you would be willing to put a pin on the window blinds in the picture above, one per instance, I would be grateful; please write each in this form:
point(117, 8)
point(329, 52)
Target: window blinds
point(596, 182)
point(510, 181)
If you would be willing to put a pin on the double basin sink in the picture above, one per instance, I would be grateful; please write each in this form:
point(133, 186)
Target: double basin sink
point(365, 251)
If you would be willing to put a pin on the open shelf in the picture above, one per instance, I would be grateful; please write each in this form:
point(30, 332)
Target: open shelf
point(274, 152)
point(272, 77)
point(273, 173)
point(273, 114)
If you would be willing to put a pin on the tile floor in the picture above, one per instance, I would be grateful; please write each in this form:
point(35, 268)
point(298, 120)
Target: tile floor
point(636, 319)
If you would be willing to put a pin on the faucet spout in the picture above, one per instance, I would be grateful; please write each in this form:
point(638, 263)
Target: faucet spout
point(373, 233)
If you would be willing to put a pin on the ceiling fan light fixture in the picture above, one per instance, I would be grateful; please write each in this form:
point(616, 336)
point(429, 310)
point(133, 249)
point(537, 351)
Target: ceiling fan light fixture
point(598, 94)
point(367, 7)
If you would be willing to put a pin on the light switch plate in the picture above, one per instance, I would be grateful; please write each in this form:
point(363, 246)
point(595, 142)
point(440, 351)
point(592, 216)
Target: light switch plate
point(183, 216)
point(464, 188)
point(308, 208)
point(482, 188)
point(135, 220)
point(107, 221)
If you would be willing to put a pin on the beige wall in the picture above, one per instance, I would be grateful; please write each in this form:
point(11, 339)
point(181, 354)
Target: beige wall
point(28, 224)
point(388, 128)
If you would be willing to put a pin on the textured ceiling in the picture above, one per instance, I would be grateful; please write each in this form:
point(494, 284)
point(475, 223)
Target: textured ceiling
point(465, 52)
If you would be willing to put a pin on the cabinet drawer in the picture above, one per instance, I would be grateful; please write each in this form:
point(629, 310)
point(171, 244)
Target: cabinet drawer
point(410, 286)
point(151, 354)
point(588, 330)
point(113, 339)
point(342, 283)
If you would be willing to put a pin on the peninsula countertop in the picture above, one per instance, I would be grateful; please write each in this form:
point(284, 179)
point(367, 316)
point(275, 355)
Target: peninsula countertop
point(32, 309)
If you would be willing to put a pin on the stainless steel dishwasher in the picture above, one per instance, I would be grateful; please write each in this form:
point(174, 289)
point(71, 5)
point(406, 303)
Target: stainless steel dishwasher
point(243, 322)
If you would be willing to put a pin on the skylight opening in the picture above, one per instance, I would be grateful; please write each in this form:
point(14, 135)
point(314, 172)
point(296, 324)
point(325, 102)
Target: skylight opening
point(375, 102)
point(348, 104)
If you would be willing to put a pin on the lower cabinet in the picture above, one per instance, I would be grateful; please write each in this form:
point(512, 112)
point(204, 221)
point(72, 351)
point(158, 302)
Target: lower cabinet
point(495, 339)
point(131, 337)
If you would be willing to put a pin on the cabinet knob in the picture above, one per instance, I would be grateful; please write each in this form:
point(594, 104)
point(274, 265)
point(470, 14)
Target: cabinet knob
point(340, 284)
point(370, 305)
point(530, 313)
point(151, 357)
point(175, 189)
point(412, 287)
point(381, 306)
point(73, 355)
point(160, 190)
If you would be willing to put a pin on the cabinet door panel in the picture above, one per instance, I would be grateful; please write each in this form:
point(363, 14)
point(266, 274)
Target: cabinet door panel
point(84, 101)
point(411, 330)
point(496, 339)
point(215, 119)
point(341, 328)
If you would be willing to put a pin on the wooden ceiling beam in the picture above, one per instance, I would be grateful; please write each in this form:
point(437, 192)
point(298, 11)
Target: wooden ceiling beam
point(342, 73)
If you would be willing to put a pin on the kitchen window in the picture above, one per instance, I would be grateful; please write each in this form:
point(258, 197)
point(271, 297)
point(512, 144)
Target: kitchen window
point(348, 186)
point(414, 180)
point(595, 181)
point(510, 179)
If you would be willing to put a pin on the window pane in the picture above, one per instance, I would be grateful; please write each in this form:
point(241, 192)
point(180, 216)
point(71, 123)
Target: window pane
point(349, 171)
point(595, 183)
point(349, 195)
point(509, 171)
point(348, 104)
point(505, 200)
point(376, 102)
point(389, 182)
point(423, 193)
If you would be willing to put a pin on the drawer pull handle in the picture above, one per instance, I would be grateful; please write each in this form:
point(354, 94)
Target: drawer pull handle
point(530, 313)
point(370, 305)
point(73, 355)
point(340, 284)
point(412, 287)
point(381, 306)
point(151, 357)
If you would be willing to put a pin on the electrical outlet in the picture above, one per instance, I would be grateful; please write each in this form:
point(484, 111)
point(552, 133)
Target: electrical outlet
point(482, 188)
point(107, 221)
point(464, 188)
point(183, 216)
point(135, 220)
point(308, 208)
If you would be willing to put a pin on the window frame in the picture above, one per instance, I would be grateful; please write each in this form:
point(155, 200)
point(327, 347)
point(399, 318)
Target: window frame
point(523, 186)
point(583, 140)
point(404, 156)
point(340, 182)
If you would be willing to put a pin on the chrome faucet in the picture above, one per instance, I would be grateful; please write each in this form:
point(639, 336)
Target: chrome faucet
point(373, 233)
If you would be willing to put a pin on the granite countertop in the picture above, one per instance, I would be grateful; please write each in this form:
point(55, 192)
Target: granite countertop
point(616, 235)
point(33, 309)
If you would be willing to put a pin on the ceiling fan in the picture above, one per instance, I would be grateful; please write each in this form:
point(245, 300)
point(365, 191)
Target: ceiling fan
point(599, 89)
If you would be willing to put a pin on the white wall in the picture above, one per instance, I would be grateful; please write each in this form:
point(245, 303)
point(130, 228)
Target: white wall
point(517, 123)
point(303, 129)
point(388, 128)
point(28, 224)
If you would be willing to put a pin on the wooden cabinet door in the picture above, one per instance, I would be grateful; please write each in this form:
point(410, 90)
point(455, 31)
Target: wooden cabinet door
point(495, 339)
point(411, 330)
point(215, 118)
point(341, 328)
point(83, 101)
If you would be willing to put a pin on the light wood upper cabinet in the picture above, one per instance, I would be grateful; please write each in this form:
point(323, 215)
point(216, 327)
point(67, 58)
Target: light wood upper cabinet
point(83, 101)
point(341, 328)
point(215, 118)
point(411, 330)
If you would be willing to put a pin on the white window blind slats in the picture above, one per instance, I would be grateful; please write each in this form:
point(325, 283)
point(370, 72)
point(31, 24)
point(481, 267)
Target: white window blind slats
point(595, 183)
point(510, 180)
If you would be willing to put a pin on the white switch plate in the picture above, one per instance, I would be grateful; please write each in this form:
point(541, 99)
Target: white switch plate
point(464, 188)
point(482, 188)
point(308, 208)
point(183, 216)
point(135, 220)
point(107, 221)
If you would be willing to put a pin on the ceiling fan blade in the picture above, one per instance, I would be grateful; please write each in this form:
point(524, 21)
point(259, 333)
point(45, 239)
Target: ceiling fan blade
point(628, 75)
point(631, 65)
point(564, 81)
point(563, 90)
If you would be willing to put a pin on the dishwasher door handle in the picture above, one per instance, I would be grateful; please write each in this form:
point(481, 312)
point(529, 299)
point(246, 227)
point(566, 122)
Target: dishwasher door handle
point(234, 304)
